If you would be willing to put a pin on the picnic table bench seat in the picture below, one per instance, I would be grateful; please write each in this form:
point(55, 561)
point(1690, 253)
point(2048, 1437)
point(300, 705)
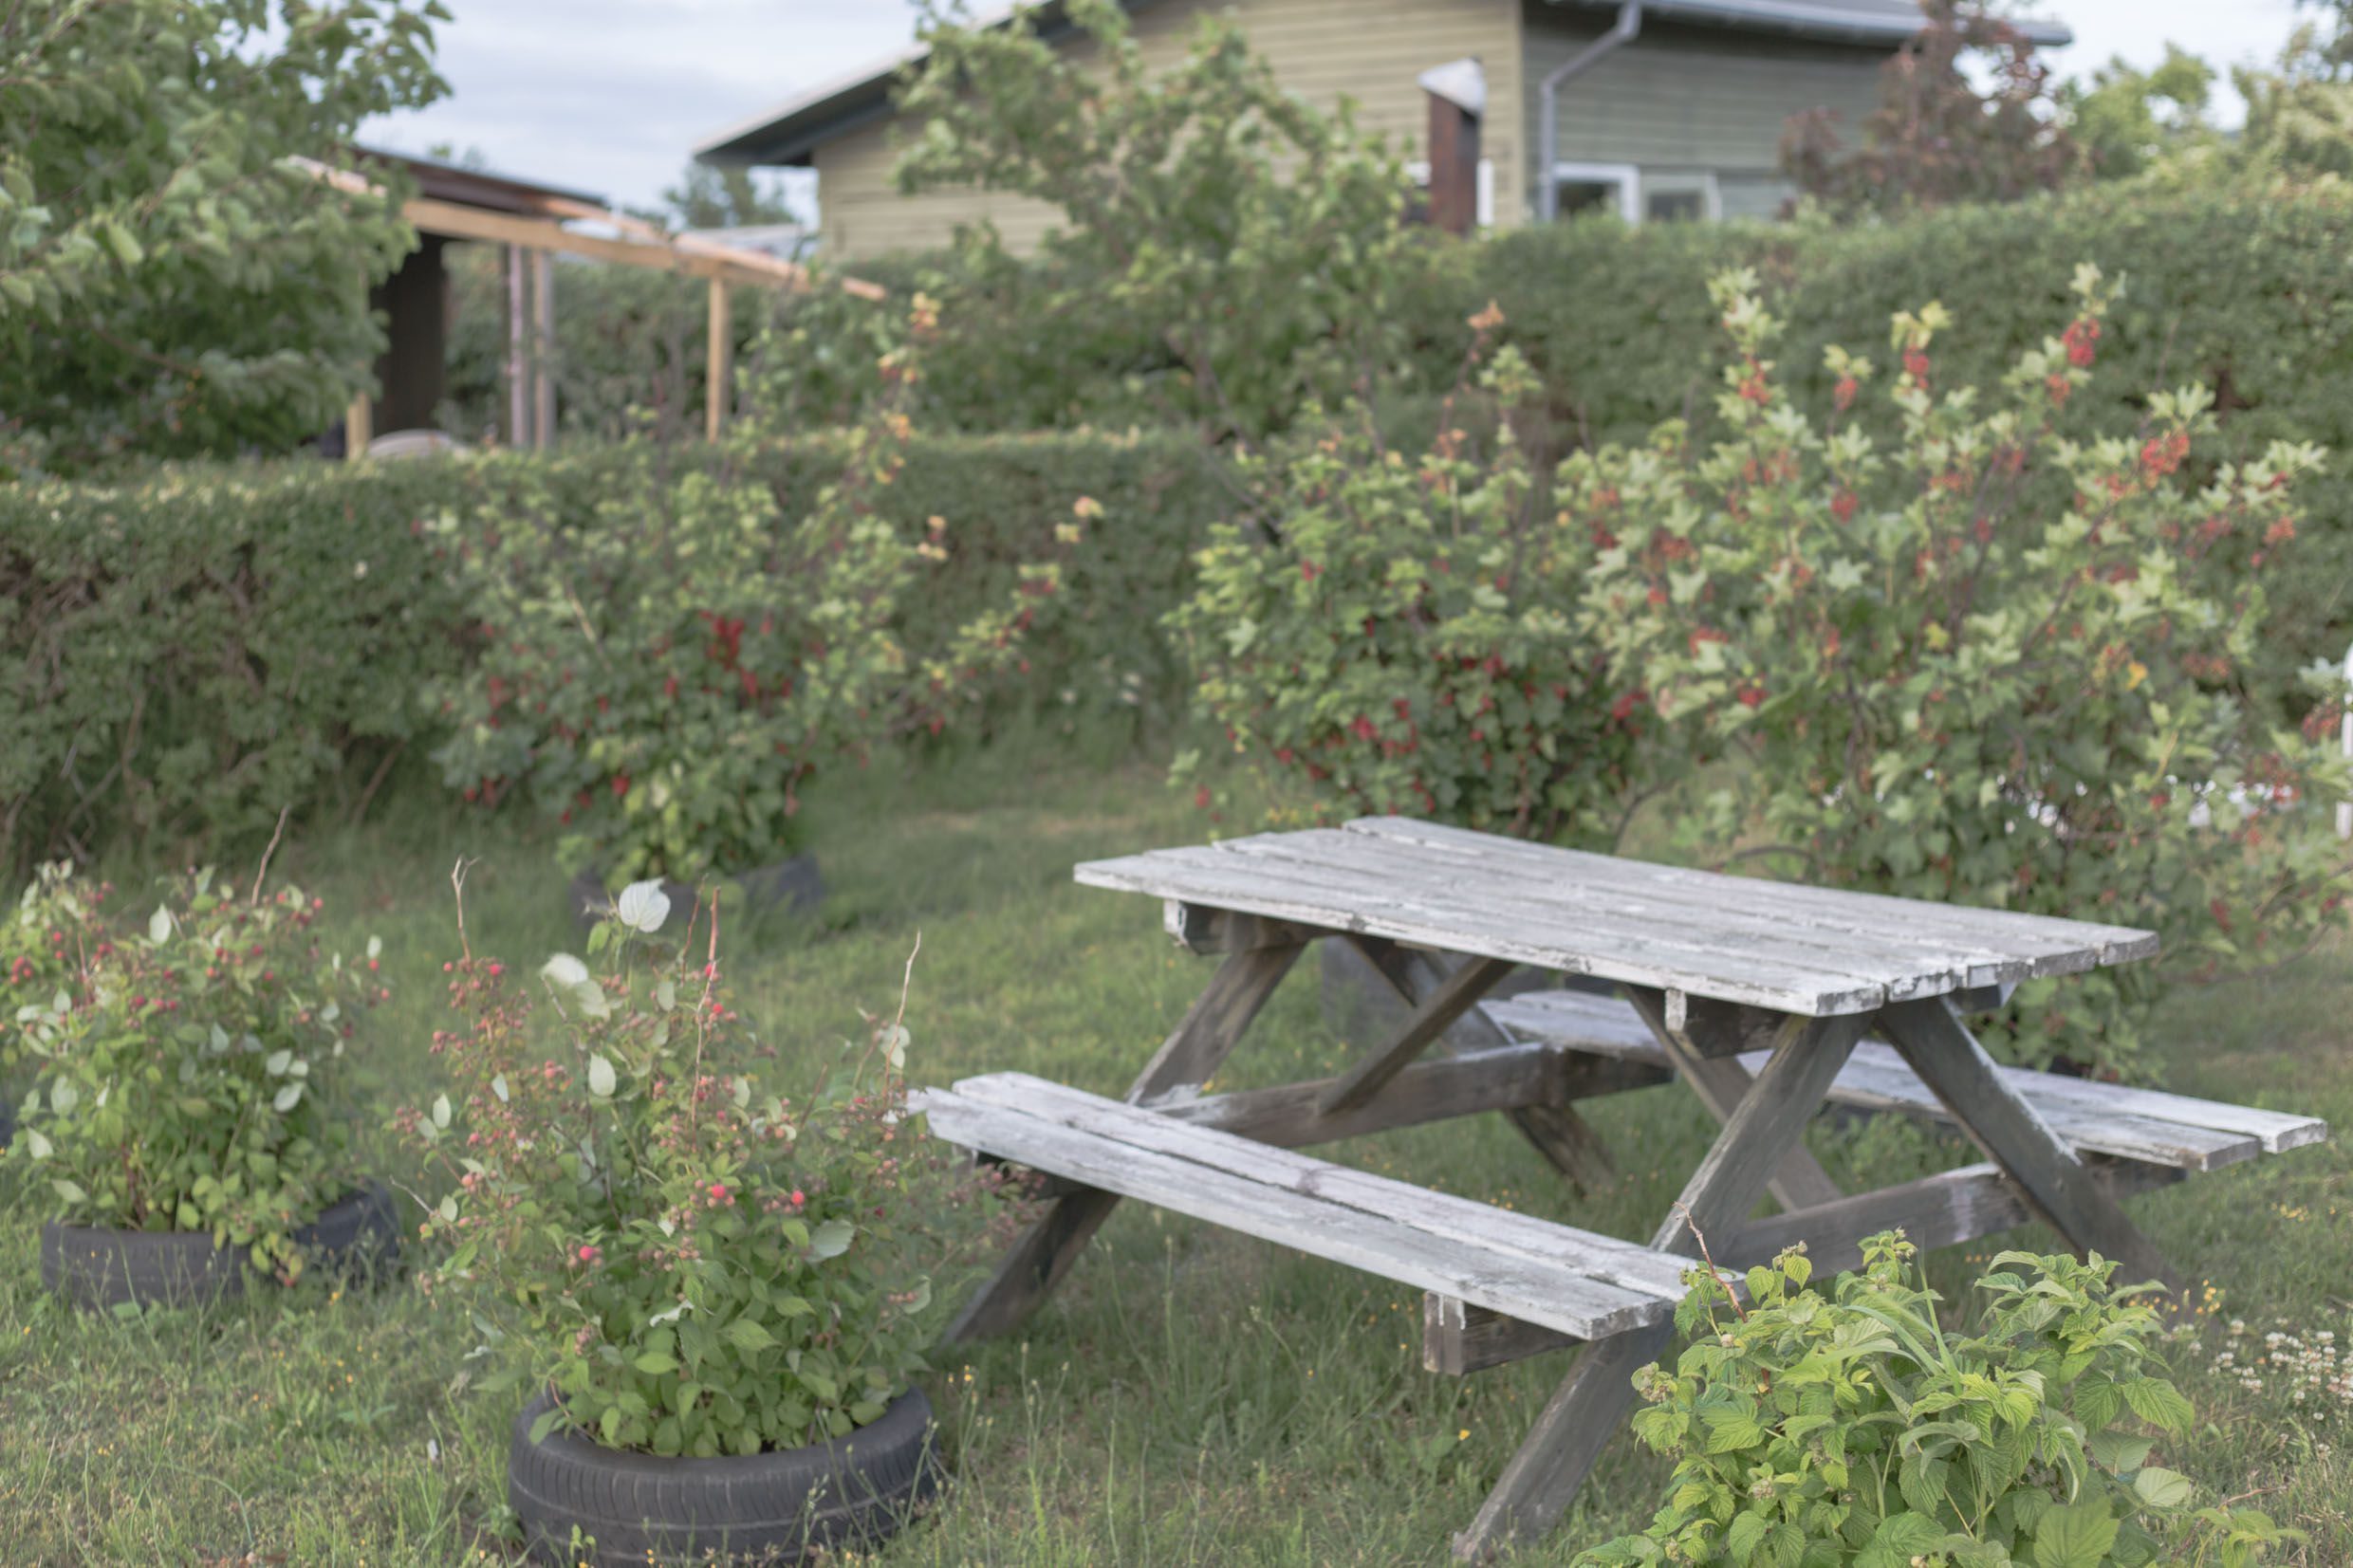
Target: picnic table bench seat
point(2116, 1119)
point(1579, 1283)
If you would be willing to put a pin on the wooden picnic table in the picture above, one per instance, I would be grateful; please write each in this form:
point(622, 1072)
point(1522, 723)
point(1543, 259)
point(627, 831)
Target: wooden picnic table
point(1755, 993)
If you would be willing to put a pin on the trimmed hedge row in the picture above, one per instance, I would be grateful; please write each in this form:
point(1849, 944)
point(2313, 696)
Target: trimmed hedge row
point(2243, 293)
point(187, 650)
point(2242, 290)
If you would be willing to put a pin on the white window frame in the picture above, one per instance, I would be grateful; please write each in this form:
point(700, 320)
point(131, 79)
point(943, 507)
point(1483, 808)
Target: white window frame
point(1484, 215)
point(1624, 176)
point(1674, 182)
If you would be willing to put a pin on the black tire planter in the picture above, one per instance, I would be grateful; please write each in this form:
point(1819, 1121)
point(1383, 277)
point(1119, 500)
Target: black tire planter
point(767, 1508)
point(97, 1269)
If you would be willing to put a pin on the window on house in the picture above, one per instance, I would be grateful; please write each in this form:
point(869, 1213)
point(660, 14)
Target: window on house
point(1680, 197)
point(1581, 188)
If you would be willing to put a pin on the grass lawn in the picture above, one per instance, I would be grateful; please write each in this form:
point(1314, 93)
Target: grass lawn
point(1191, 1396)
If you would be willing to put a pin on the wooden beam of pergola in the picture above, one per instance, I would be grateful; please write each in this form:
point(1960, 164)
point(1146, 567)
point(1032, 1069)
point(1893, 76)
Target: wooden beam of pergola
point(684, 254)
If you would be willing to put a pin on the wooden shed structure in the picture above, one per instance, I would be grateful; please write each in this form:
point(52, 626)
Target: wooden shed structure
point(529, 221)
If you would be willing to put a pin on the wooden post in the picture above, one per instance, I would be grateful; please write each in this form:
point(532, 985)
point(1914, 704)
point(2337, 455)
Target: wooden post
point(1212, 1026)
point(518, 390)
point(1702, 1044)
point(719, 365)
point(1584, 1412)
point(2050, 1177)
point(357, 420)
point(543, 347)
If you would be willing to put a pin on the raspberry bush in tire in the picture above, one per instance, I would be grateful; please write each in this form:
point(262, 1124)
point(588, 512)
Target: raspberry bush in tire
point(767, 1508)
point(99, 1268)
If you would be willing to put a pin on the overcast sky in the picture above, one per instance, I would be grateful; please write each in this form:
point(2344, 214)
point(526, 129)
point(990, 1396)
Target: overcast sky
point(608, 96)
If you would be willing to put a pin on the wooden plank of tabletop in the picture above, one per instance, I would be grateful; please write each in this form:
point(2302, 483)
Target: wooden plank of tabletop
point(1360, 879)
point(1992, 946)
point(1362, 902)
point(2003, 930)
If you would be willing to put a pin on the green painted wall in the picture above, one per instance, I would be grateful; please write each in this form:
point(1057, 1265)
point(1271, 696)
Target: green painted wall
point(1683, 99)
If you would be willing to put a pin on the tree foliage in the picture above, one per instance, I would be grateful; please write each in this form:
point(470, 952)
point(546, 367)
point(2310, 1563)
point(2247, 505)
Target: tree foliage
point(175, 276)
point(1252, 236)
point(2127, 119)
point(1936, 138)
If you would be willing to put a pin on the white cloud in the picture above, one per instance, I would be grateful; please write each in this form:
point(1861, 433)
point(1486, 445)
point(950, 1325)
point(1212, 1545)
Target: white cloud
point(610, 95)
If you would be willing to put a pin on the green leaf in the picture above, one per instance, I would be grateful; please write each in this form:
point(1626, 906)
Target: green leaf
point(1745, 1531)
point(749, 1335)
point(2157, 1402)
point(831, 1239)
point(2074, 1536)
point(126, 249)
point(2163, 1488)
point(286, 1098)
point(64, 1097)
point(654, 1363)
point(41, 1148)
point(600, 1077)
point(70, 1190)
point(2119, 1452)
point(159, 925)
point(441, 1110)
point(498, 1087)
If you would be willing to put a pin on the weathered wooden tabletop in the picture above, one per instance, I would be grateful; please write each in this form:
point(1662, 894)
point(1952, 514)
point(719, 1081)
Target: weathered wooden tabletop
point(1812, 951)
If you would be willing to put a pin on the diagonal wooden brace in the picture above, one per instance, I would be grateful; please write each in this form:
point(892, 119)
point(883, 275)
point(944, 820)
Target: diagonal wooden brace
point(1210, 1029)
point(2054, 1182)
point(1565, 1139)
point(1585, 1411)
point(1702, 1040)
point(1436, 1013)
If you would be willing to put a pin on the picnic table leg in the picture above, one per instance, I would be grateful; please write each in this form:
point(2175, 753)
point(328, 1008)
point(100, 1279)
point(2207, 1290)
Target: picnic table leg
point(1584, 1412)
point(1720, 1082)
point(2057, 1186)
point(1565, 1139)
point(1193, 1052)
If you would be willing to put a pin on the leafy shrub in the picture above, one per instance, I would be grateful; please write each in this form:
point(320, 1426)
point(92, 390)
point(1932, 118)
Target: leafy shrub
point(186, 1069)
point(663, 680)
point(2232, 286)
point(695, 1263)
point(1855, 1428)
point(1974, 658)
point(186, 652)
point(1398, 639)
point(185, 649)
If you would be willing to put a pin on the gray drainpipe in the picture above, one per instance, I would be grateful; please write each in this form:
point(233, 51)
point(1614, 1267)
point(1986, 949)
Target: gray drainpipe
point(1624, 31)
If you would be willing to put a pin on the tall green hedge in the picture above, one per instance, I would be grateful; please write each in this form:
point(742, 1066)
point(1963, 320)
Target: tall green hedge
point(185, 652)
point(2245, 292)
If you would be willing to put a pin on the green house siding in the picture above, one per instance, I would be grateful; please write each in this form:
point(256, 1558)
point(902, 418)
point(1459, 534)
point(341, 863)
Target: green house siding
point(1678, 100)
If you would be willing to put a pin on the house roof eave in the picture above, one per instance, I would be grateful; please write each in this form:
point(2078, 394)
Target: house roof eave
point(789, 133)
point(1853, 20)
